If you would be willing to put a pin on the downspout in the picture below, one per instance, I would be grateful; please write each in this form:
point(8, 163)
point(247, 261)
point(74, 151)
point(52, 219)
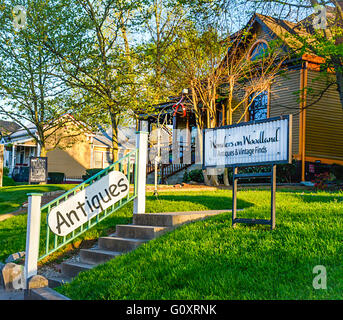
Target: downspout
point(304, 71)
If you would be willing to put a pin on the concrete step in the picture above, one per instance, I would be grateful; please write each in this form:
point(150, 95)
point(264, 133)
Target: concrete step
point(172, 219)
point(72, 269)
point(97, 256)
point(119, 244)
point(54, 282)
point(140, 232)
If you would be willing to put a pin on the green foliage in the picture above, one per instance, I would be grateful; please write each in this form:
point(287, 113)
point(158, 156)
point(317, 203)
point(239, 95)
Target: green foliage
point(7, 181)
point(12, 197)
point(337, 170)
point(33, 93)
point(90, 173)
point(211, 260)
point(6, 171)
point(56, 177)
point(194, 175)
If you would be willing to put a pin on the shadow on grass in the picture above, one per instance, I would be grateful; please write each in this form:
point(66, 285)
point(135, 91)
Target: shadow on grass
point(324, 198)
point(211, 202)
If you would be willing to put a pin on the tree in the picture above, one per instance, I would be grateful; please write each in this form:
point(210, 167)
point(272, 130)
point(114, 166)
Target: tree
point(96, 61)
point(206, 64)
point(32, 96)
point(324, 40)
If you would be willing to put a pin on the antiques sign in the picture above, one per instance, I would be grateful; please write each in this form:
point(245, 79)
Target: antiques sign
point(38, 169)
point(259, 142)
point(88, 203)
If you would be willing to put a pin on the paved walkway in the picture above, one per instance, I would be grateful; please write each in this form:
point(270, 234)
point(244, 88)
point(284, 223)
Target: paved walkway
point(11, 295)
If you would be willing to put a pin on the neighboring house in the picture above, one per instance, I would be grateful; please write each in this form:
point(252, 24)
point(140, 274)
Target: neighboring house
point(317, 127)
point(88, 150)
point(7, 127)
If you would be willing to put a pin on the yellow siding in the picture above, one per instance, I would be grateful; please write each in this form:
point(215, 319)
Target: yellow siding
point(324, 129)
point(73, 154)
point(284, 101)
point(68, 162)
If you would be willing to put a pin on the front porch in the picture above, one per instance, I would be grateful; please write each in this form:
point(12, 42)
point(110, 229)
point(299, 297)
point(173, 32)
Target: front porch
point(17, 158)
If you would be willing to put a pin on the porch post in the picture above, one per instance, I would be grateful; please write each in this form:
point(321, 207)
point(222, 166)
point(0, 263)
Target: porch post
point(142, 146)
point(2, 154)
point(32, 236)
point(12, 160)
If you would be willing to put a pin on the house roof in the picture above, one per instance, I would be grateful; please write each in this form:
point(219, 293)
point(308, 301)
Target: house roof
point(7, 127)
point(289, 32)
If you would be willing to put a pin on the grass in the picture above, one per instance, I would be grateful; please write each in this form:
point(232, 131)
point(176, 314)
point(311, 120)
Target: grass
point(13, 230)
point(211, 260)
point(12, 197)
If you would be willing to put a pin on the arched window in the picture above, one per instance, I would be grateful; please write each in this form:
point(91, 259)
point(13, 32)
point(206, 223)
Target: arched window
point(258, 109)
point(258, 50)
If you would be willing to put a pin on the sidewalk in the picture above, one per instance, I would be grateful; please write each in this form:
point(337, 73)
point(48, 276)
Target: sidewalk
point(11, 295)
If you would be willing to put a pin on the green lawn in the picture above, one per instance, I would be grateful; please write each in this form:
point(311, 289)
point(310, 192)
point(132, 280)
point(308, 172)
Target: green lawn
point(211, 260)
point(13, 230)
point(11, 198)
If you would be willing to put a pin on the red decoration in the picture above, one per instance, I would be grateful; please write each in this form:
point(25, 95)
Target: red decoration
point(176, 107)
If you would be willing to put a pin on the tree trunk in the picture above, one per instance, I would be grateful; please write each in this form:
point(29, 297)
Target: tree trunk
point(114, 138)
point(43, 151)
point(339, 77)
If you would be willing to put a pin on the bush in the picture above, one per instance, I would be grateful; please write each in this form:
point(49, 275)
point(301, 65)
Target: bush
point(337, 171)
point(186, 177)
point(6, 171)
point(197, 176)
point(90, 173)
point(194, 175)
point(322, 180)
point(56, 177)
point(7, 181)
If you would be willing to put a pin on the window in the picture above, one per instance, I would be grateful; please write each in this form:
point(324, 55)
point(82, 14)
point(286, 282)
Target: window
point(97, 159)
point(102, 159)
point(258, 109)
point(258, 50)
point(107, 159)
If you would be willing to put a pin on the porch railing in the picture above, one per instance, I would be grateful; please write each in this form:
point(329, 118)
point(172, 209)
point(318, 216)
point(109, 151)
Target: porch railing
point(50, 242)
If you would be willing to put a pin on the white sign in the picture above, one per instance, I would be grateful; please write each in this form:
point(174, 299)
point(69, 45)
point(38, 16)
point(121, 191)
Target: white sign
point(251, 143)
point(88, 203)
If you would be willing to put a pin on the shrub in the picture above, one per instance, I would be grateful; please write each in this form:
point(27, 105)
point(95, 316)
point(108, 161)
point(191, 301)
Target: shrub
point(337, 171)
point(6, 171)
point(90, 173)
point(322, 180)
point(196, 175)
point(186, 178)
point(56, 177)
point(7, 181)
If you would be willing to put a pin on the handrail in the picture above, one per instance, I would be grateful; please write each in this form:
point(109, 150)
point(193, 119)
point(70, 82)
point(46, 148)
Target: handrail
point(54, 242)
point(88, 180)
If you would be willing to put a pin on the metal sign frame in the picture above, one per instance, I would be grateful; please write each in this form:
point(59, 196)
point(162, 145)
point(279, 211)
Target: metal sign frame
point(46, 170)
point(271, 174)
point(289, 142)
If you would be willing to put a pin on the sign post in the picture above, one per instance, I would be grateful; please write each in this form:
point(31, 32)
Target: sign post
point(32, 236)
point(142, 146)
point(1, 163)
point(255, 143)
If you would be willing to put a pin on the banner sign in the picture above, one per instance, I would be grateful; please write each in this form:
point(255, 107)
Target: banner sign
point(88, 203)
point(38, 169)
point(252, 143)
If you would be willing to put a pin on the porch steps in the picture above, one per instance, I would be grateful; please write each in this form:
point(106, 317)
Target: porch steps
point(145, 227)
